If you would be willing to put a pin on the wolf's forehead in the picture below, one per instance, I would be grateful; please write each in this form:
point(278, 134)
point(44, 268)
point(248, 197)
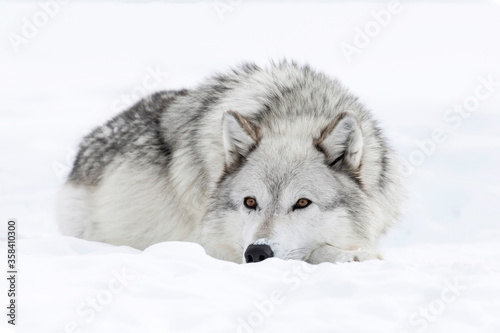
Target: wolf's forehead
point(293, 129)
point(286, 151)
point(281, 164)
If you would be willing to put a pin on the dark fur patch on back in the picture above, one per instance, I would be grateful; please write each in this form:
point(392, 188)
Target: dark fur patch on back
point(135, 130)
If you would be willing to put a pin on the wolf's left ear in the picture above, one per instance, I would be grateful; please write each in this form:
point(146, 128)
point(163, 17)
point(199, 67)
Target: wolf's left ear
point(342, 141)
point(239, 136)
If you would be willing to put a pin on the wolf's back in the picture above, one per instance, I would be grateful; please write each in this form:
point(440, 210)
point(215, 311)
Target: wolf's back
point(135, 131)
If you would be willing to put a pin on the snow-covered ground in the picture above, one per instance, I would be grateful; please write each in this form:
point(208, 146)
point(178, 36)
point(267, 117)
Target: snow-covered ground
point(429, 71)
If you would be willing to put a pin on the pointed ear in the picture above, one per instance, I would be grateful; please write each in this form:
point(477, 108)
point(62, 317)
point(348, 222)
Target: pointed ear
point(239, 135)
point(342, 142)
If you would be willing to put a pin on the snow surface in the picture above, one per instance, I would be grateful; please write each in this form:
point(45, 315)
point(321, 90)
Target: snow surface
point(441, 271)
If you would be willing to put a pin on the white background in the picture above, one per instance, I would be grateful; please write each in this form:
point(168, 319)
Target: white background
point(85, 59)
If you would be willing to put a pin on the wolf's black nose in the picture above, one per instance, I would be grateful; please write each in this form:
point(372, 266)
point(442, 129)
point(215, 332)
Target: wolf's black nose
point(256, 253)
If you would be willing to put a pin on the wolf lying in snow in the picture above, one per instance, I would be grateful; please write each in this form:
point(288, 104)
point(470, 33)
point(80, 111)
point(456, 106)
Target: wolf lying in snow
point(255, 163)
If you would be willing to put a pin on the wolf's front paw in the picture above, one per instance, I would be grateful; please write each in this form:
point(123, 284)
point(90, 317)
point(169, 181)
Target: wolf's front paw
point(328, 253)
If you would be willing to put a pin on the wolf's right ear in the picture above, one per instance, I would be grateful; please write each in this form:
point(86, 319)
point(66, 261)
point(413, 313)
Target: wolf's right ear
point(342, 141)
point(239, 136)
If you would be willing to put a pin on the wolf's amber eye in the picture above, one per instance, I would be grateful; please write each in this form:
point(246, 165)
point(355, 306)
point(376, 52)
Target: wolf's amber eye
point(250, 203)
point(302, 203)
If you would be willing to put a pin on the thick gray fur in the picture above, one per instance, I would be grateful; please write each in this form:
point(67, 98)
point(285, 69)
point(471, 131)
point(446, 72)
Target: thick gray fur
point(178, 165)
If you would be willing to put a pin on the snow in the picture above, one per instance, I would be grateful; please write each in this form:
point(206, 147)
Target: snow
point(441, 270)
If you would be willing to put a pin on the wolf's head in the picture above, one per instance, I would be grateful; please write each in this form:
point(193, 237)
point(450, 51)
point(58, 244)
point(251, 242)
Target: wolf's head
point(288, 188)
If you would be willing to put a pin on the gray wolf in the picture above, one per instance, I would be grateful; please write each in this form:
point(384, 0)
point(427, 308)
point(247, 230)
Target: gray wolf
point(257, 162)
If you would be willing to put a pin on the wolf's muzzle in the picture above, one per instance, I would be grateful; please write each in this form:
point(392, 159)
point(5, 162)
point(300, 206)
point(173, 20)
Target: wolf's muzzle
point(256, 253)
